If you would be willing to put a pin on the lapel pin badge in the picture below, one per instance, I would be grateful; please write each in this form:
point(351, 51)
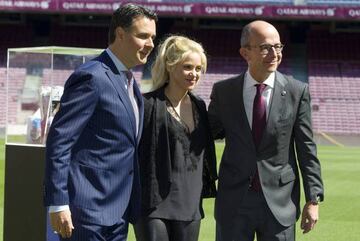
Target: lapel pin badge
point(283, 93)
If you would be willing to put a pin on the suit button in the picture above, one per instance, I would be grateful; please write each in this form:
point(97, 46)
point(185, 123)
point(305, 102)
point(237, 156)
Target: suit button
point(131, 172)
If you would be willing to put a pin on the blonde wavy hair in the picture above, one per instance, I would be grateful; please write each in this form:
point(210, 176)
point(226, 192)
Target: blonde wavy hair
point(172, 51)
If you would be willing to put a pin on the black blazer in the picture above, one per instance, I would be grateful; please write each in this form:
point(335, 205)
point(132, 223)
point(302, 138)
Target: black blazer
point(154, 156)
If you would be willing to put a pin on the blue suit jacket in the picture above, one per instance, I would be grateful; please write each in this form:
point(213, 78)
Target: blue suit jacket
point(92, 146)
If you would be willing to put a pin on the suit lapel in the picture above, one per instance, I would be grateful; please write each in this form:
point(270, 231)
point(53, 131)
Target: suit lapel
point(140, 103)
point(277, 105)
point(241, 115)
point(118, 80)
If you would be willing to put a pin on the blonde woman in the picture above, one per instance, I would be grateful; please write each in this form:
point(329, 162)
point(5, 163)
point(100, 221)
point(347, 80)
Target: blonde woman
point(177, 154)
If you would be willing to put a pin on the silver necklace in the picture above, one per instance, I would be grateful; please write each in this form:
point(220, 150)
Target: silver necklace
point(176, 115)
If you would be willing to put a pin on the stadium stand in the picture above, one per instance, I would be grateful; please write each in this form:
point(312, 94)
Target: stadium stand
point(272, 2)
point(323, 45)
point(17, 77)
point(337, 116)
point(55, 77)
point(2, 96)
point(78, 36)
point(335, 89)
point(13, 36)
point(333, 2)
point(334, 79)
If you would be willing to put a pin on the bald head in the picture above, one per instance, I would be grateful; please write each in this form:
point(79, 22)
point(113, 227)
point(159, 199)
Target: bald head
point(261, 48)
point(255, 29)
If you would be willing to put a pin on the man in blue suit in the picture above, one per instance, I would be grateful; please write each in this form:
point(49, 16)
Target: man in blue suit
point(91, 178)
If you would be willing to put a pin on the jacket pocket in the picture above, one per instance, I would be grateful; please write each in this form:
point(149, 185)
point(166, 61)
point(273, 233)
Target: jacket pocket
point(287, 176)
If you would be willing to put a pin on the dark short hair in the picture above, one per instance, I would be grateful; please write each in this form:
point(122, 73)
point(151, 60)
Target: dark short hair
point(124, 16)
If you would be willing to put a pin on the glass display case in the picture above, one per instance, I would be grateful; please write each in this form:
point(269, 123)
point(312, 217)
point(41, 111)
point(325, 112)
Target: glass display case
point(35, 80)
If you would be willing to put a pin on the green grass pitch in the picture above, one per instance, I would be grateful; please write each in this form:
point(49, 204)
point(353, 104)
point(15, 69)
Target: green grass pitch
point(339, 213)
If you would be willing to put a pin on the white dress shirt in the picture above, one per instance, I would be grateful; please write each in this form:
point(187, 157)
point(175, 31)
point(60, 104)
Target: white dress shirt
point(249, 93)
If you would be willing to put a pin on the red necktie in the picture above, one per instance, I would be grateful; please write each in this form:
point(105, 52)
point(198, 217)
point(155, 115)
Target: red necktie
point(259, 114)
point(258, 126)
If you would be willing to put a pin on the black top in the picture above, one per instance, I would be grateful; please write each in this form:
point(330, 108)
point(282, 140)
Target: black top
point(187, 154)
point(168, 156)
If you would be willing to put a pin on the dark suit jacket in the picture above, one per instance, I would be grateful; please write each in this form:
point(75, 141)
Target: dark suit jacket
point(91, 149)
point(155, 158)
point(287, 146)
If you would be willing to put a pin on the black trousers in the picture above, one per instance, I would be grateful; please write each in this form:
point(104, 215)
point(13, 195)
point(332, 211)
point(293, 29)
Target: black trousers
point(253, 217)
point(155, 229)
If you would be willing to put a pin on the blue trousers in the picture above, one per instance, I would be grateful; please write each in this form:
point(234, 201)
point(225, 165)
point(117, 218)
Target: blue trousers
point(93, 232)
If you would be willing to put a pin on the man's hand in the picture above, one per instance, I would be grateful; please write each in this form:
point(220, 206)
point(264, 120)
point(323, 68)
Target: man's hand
point(61, 223)
point(310, 216)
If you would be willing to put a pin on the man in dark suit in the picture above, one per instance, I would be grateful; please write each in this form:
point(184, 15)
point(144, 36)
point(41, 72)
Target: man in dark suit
point(91, 179)
point(265, 118)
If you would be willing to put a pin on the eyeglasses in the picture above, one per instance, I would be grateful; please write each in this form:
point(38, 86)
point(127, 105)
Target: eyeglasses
point(266, 48)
